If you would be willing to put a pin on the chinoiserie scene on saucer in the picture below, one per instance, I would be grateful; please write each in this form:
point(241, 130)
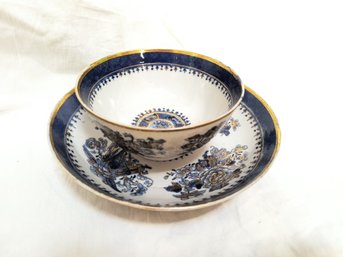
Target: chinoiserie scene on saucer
point(165, 130)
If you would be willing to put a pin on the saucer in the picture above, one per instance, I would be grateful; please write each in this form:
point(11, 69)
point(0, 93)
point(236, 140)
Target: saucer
point(237, 156)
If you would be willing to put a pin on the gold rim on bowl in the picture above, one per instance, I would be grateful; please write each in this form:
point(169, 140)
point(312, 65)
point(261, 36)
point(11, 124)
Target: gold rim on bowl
point(142, 51)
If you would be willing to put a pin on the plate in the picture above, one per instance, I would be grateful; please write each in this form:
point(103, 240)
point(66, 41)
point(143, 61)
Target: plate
point(236, 157)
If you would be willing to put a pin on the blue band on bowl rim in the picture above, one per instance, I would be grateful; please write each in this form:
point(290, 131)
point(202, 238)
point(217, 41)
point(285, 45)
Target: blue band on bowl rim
point(118, 63)
point(107, 65)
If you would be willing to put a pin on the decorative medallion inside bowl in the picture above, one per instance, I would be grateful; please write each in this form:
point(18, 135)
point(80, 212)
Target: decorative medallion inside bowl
point(161, 118)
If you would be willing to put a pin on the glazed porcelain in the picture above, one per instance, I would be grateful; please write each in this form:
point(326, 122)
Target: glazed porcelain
point(160, 104)
point(238, 155)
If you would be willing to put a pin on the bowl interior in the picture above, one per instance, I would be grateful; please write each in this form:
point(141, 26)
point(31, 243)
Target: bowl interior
point(160, 92)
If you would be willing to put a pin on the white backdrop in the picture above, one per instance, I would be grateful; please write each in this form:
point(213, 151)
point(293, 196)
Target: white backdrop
point(290, 52)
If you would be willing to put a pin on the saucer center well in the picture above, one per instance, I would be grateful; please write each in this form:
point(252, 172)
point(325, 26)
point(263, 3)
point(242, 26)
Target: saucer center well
point(161, 118)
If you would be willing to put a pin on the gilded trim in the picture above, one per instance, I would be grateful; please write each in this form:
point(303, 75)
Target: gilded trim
point(176, 208)
point(104, 59)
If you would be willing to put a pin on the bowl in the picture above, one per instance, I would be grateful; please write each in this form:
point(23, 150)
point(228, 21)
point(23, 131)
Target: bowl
point(160, 104)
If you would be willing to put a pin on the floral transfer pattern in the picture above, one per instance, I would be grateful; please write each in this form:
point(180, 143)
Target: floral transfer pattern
point(111, 160)
point(214, 171)
point(116, 167)
point(198, 140)
point(148, 147)
point(230, 124)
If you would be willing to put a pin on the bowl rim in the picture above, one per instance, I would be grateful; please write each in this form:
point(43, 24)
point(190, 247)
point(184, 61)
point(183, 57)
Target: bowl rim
point(142, 51)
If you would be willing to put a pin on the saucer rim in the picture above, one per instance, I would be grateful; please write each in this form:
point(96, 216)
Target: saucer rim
point(169, 208)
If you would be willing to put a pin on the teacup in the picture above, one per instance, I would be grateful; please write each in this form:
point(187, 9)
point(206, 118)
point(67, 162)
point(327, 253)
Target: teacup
point(159, 104)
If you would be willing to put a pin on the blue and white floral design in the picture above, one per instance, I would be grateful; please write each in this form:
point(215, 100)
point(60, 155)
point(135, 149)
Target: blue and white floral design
point(231, 124)
point(198, 140)
point(149, 146)
point(72, 125)
point(116, 167)
point(214, 171)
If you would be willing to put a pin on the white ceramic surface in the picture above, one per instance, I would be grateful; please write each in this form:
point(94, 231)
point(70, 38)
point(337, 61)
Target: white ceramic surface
point(121, 99)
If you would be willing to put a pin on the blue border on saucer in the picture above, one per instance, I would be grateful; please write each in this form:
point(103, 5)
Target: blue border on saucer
point(71, 104)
